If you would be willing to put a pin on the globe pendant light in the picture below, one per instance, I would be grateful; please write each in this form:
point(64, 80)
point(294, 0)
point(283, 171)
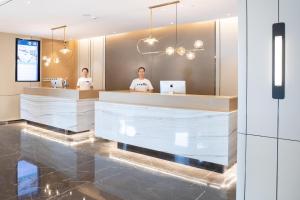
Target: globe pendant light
point(151, 40)
point(65, 49)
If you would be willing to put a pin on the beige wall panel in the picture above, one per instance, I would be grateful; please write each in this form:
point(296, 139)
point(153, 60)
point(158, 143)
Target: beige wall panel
point(228, 56)
point(9, 108)
point(9, 89)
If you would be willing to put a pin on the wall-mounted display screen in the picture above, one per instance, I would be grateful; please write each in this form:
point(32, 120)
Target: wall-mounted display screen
point(27, 60)
point(28, 179)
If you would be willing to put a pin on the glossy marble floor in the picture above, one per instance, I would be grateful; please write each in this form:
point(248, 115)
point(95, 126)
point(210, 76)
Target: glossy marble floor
point(32, 167)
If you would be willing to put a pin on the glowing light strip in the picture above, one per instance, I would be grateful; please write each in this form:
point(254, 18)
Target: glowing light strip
point(72, 143)
point(201, 182)
point(278, 61)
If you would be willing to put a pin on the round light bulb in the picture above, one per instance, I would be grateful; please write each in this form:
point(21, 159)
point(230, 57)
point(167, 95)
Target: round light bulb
point(65, 50)
point(170, 51)
point(198, 44)
point(150, 40)
point(47, 64)
point(180, 51)
point(190, 55)
point(45, 58)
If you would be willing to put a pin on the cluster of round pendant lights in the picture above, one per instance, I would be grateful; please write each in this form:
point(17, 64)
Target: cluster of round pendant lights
point(170, 50)
point(181, 51)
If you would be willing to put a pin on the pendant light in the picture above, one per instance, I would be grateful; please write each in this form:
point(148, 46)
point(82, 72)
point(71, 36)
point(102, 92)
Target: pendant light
point(151, 40)
point(65, 49)
point(169, 50)
point(53, 58)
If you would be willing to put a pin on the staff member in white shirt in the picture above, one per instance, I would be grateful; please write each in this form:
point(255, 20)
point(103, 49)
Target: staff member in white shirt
point(85, 82)
point(141, 84)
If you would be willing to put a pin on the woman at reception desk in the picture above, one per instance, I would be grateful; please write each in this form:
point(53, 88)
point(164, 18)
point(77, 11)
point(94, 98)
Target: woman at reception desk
point(85, 82)
point(141, 84)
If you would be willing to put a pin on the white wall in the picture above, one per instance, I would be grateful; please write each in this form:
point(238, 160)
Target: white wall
point(269, 139)
point(226, 56)
point(91, 54)
point(9, 89)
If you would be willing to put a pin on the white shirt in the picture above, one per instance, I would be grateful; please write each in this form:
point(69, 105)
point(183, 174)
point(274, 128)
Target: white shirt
point(84, 83)
point(141, 85)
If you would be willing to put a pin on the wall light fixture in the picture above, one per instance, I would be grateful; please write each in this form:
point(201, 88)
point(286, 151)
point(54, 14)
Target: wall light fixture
point(278, 80)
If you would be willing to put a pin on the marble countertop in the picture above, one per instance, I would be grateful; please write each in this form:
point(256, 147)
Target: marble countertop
point(185, 101)
point(62, 93)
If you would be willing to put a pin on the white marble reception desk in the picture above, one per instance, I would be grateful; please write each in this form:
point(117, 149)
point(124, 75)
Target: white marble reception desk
point(67, 109)
point(193, 126)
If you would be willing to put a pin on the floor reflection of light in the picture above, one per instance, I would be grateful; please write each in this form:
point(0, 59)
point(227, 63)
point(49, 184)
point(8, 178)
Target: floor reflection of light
point(27, 179)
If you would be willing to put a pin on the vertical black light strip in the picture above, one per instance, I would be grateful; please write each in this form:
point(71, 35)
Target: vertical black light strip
point(278, 61)
point(246, 134)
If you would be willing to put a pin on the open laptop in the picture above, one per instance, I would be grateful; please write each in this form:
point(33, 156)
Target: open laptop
point(172, 87)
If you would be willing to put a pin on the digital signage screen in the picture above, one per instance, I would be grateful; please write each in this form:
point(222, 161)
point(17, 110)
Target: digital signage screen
point(27, 60)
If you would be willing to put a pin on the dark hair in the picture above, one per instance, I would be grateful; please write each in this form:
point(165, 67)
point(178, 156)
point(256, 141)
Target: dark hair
point(143, 68)
point(85, 69)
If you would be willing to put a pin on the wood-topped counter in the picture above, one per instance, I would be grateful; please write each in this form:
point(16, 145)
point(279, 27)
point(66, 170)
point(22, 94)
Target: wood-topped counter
point(62, 93)
point(186, 101)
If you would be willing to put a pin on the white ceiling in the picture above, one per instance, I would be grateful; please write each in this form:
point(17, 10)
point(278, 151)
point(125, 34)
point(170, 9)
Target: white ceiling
point(37, 17)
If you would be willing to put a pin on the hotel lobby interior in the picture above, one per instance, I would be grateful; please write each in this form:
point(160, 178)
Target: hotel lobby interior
point(149, 100)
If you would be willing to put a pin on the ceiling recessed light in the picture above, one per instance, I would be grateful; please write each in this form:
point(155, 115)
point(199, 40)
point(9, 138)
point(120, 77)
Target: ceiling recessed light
point(172, 23)
point(28, 2)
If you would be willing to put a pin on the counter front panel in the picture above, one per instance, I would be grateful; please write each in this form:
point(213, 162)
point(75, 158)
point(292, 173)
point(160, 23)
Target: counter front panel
point(200, 131)
point(71, 110)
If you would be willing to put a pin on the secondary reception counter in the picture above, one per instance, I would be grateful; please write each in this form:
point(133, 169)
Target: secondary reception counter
point(67, 109)
point(194, 126)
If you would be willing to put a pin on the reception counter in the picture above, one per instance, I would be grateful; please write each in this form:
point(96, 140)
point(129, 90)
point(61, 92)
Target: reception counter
point(67, 109)
point(193, 126)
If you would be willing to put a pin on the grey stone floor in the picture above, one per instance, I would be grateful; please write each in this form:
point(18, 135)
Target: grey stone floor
point(35, 168)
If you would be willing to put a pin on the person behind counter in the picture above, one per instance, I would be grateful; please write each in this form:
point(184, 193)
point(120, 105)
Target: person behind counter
point(141, 84)
point(85, 82)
